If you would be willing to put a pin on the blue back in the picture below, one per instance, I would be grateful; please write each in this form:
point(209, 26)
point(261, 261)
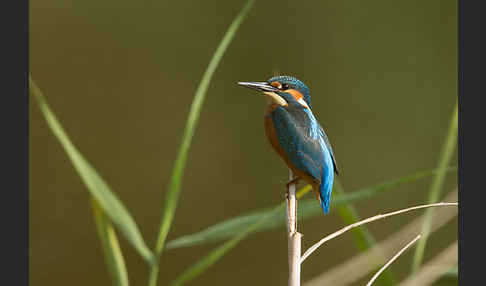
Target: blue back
point(305, 142)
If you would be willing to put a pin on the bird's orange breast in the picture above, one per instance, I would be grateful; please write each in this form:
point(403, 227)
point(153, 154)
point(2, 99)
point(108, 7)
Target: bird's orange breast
point(272, 133)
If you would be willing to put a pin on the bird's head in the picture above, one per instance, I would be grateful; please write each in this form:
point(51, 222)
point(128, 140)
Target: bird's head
point(283, 90)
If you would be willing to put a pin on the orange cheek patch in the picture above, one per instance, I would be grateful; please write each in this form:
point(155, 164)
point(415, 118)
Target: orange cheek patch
point(298, 97)
point(276, 84)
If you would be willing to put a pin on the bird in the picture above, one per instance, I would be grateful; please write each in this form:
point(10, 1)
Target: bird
point(296, 135)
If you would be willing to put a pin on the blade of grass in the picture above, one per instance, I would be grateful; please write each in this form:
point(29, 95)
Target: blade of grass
point(434, 269)
point(348, 213)
point(95, 184)
point(307, 208)
point(369, 191)
point(436, 187)
point(178, 171)
point(211, 258)
point(111, 248)
point(356, 268)
point(200, 266)
point(333, 235)
point(362, 235)
point(391, 260)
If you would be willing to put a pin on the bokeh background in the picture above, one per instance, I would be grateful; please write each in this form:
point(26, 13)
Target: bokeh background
point(121, 76)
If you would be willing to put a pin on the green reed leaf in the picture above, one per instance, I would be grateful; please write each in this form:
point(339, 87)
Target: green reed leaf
point(362, 235)
point(111, 248)
point(204, 263)
point(95, 184)
point(241, 227)
point(307, 208)
point(178, 171)
point(446, 153)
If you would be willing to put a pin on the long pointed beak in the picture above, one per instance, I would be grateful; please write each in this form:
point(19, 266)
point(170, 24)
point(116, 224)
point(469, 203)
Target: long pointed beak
point(267, 89)
point(260, 86)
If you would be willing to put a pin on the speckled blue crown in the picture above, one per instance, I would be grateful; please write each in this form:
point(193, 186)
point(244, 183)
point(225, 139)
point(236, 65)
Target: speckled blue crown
point(295, 84)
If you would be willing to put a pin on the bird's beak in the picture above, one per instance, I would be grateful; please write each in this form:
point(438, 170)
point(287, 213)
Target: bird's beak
point(260, 86)
point(267, 89)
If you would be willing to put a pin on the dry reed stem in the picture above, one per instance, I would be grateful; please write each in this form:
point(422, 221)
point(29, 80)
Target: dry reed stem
point(434, 269)
point(392, 259)
point(294, 237)
point(361, 264)
point(365, 221)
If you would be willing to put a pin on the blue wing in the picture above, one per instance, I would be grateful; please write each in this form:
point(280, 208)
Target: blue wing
point(328, 145)
point(307, 146)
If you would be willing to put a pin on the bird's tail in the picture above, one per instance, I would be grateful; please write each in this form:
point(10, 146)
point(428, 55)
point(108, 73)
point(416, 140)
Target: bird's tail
point(325, 191)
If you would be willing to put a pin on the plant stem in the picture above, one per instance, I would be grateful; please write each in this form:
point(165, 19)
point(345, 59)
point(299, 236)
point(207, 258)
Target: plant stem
point(111, 247)
point(362, 235)
point(436, 187)
point(175, 183)
point(392, 259)
point(294, 237)
point(365, 221)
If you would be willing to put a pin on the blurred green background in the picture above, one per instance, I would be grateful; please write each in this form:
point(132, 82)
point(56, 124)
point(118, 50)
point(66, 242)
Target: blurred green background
point(121, 76)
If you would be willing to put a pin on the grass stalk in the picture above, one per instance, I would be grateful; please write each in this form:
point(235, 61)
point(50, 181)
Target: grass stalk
point(434, 269)
point(363, 237)
point(178, 171)
point(355, 268)
point(201, 265)
point(111, 247)
point(204, 263)
point(112, 206)
point(314, 247)
point(391, 260)
point(436, 187)
point(307, 208)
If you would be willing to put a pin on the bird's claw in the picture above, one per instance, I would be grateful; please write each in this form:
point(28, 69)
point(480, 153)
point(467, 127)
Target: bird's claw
point(294, 181)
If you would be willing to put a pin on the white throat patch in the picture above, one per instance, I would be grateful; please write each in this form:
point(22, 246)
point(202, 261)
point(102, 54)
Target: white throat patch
point(303, 103)
point(276, 98)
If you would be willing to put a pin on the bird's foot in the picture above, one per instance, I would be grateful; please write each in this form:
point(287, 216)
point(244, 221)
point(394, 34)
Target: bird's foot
point(294, 181)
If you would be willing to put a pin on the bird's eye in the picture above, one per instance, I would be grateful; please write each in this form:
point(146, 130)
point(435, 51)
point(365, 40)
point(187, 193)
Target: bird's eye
point(285, 86)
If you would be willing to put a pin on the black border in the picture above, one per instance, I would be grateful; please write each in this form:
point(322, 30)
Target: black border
point(460, 84)
point(14, 118)
point(471, 78)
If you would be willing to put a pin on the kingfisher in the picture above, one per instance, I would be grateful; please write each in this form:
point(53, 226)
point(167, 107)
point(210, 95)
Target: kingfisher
point(296, 135)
